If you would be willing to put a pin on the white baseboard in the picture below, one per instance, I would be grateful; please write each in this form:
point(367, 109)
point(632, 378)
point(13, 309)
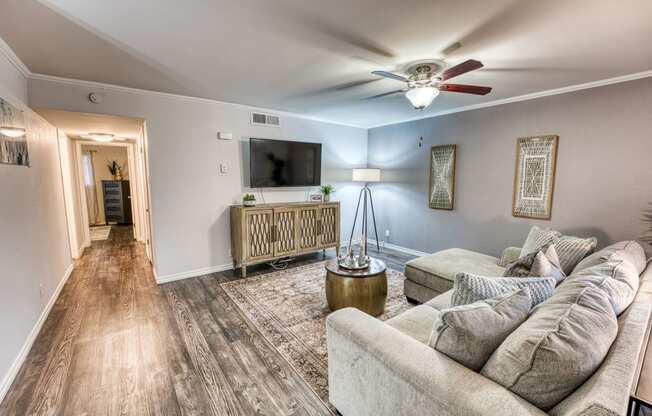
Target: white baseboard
point(391, 246)
point(8, 379)
point(192, 273)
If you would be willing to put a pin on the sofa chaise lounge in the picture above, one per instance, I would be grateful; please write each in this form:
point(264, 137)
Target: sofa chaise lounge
point(386, 368)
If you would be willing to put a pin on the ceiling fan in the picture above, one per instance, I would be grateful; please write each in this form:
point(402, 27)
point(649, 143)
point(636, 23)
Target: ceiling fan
point(425, 80)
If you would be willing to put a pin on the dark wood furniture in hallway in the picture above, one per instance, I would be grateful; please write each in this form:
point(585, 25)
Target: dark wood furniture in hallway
point(115, 343)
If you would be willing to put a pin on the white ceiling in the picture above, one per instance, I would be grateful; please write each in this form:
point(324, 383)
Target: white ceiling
point(77, 124)
point(292, 55)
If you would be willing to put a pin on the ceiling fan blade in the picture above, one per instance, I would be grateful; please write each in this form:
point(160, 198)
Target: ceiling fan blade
point(390, 75)
point(466, 89)
point(451, 48)
point(385, 94)
point(460, 69)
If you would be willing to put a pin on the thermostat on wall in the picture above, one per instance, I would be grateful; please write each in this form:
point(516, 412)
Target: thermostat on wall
point(224, 136)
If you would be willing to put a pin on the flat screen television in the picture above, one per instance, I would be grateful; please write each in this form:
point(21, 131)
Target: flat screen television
point(281, 163)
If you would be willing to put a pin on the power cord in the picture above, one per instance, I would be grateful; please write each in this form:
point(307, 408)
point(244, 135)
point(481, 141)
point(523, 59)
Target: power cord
point(281, 264)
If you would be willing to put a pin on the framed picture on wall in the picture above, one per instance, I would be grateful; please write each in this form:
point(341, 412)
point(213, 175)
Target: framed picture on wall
point(442, 176)
point(13, 139)
point(534, 179)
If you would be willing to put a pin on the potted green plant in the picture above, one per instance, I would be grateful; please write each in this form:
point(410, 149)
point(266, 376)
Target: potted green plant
point(249, 200)
point(115, 169)
point(327, 190)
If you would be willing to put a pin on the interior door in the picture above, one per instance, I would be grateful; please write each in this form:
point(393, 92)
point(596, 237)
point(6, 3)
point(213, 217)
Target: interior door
point(285, 231)
point(258, 234)
point(329, 225)
point(308, 228)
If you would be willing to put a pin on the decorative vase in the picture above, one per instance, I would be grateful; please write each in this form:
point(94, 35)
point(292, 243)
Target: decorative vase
point(249, 203)
point(327, 197)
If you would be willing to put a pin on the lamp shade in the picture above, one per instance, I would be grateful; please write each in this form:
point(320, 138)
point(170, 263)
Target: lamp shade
point(366, 175)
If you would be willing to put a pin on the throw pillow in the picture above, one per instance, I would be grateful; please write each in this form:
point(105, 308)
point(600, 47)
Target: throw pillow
point(556, 349)
point(546, 264)
point(571, 250)
point(469, 288)
point(469, 334)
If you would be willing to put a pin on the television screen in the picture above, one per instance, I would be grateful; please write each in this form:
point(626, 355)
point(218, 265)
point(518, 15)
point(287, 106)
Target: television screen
point(275, 163)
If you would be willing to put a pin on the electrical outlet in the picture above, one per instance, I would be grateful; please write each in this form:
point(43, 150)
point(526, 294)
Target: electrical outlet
point(387, 233)
point(224, 168)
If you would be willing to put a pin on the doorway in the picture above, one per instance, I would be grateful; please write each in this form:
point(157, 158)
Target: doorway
point(105, 177)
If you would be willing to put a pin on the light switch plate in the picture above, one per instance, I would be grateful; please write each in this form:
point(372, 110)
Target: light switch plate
point(224, 136)
point(224, 168)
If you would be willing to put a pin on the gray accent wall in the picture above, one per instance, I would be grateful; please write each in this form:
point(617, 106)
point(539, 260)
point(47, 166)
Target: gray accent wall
point(604, 170)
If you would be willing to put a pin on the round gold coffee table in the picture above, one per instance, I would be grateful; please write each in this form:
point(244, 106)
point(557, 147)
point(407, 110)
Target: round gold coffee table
point(364, 289)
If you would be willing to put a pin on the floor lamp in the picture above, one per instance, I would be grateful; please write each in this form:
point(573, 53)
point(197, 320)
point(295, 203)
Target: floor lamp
point(361, 261)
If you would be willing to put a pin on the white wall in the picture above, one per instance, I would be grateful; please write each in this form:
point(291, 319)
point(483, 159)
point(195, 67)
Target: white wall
point(34, 250)
point(190, 198)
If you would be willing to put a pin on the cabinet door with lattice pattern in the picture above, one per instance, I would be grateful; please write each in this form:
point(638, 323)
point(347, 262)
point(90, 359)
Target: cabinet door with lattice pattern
point(308, 228)
point(329, 225)
point(258, 234)
point(285, 231)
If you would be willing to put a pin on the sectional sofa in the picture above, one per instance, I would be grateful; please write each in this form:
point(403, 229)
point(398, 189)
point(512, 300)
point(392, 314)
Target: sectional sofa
point(386, 368)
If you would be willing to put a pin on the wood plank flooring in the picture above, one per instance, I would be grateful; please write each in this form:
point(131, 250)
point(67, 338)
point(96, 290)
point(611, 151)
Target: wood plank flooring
point(115, 343)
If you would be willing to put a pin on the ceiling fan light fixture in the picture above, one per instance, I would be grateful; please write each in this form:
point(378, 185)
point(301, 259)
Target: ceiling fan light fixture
point(421, 97)
point(99, 137)
point(13, 132)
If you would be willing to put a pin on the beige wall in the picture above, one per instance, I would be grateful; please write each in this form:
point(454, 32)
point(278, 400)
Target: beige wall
point(102, 156)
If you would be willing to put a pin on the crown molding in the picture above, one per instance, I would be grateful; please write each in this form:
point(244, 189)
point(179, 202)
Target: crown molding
point(139, 91)
point(14, 59)
point(526, 97)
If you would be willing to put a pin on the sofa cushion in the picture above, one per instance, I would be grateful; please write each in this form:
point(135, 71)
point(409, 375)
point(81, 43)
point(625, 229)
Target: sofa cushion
point(571, 250)
point(557, 348)
point(438, 270)
point(631, 250)
point(469, 334)
point(617, 277)
point(469, 288)
point(442, 301)
point(416, 322)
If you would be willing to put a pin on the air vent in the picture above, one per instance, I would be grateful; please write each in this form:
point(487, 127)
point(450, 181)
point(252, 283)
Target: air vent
point(263, 119)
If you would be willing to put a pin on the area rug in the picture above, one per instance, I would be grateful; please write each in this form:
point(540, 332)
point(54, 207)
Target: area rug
point(289, 308)
point(100, 233)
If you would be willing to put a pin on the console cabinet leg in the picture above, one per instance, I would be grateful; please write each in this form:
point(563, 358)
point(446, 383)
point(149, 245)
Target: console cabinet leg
point(243, 271)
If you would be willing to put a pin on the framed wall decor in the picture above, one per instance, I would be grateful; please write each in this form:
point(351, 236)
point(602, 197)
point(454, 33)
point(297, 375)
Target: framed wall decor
point(534, 179)
point(13, 140)
point(442, 176)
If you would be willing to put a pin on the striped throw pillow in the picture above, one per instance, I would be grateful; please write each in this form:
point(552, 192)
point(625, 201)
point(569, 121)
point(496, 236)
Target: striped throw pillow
point(571, 250)
point(469, 288)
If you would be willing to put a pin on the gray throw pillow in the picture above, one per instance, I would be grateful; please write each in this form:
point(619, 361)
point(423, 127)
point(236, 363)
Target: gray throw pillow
point(557, 348)
point(544, 263)
point(469, 288)
point(571, 250)
point(469, 334)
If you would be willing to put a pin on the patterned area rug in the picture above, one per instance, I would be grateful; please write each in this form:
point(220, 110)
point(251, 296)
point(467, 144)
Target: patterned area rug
point(289, 308)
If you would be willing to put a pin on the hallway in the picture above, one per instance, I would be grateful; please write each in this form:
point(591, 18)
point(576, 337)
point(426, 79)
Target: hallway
point(113, 345)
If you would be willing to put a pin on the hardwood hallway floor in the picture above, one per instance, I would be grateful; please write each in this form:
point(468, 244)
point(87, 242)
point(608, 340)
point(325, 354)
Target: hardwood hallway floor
point(115, 343)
